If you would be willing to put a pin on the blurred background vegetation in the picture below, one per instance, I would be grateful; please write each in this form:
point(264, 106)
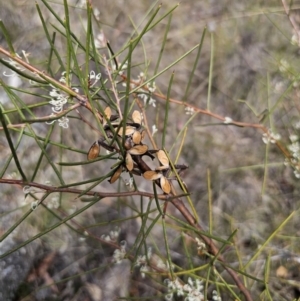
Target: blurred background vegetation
point(252, 51)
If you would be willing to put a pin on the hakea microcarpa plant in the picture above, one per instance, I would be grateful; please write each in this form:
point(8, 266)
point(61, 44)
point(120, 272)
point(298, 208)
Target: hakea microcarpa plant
point(134, 149)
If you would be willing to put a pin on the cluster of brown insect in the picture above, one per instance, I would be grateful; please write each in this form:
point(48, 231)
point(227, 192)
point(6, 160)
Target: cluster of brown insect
point(131, 136)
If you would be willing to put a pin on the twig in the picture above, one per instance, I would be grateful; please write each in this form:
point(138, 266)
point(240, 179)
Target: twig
point(81, 192)
point(113, 88)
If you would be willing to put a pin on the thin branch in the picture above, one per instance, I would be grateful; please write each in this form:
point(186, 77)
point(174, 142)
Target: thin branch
point(81, 192)
point(113, 88)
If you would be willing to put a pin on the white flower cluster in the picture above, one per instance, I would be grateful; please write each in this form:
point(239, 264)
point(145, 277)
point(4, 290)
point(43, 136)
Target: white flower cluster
point(294, 149)
point(154, 130)
point(123, 68)
point(58, 100)
point(146, 97)
point(270, 137)
point(192, 290)
point(141, 262)
point(129, 184)
point(215, 296)
point(119, 254)
point(144, 93)
point(15, 64)
point(53, 203)
point(112, 236)
point(189, 110)
point(201, 247)
point(94, 78)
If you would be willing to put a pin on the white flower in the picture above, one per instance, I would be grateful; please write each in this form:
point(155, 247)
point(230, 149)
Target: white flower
point(34, 205)
point(200, 245)
point(215, 296)
point(141, 76)
point(114, 234)
point(294, 149)
point(149, 252)
point(96, 13)
point(119, 254)
point(124, 67)
point(161, 265)
point(189, 110)
point(192, 290)
point(187, 288)
point(94, 77)
point(106, 237)
point(227, 120)
point(129, 183)
point(169, 297)
point(270, 137)
point(58, 100)
point(147, 99)
point(154, 129)
point(100, 41)
point(15, 65)
point(152, 102)
point(297, 174)
point(63, 122)
point(144, 269)
point(151, 87)
point(53, 203)
point(141, 260)
point(27, 189)
point(63, 78)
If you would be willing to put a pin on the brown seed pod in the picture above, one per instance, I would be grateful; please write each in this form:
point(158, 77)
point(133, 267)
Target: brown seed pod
point(129, 130)
point(116, 175)
point(161, 168)
point(107, 113)
point(152, 175)
point(165, 185)
point(162, 157)
point(128, 143)
point(129, 162)
point(138, 149)
point(143, 134)
point(94, 151)
point(136, 137)
point(137, 117)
